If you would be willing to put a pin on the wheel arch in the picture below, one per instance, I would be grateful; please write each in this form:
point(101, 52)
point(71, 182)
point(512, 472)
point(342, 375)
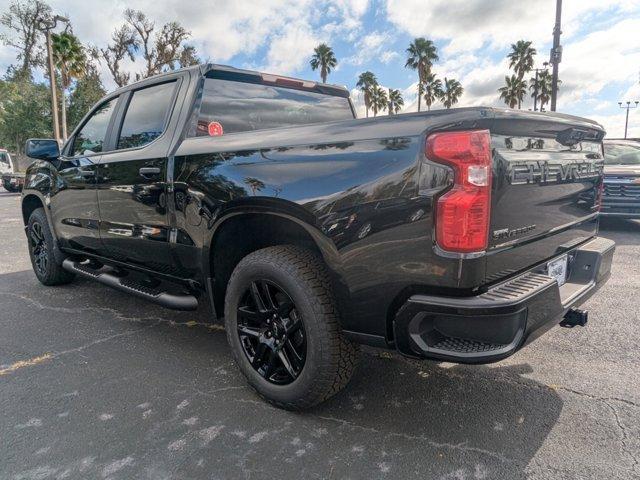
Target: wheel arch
point(243, 231)
point(31, 202)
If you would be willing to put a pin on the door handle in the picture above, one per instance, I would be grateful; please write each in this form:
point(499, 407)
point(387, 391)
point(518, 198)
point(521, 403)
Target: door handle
point(149, 171)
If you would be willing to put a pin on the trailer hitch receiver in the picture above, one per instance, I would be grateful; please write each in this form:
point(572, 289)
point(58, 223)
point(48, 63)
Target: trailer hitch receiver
point(575, 317)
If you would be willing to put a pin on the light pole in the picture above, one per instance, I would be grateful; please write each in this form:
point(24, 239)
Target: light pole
point(46, 26)
point(627, 107)
point(556, 54)
point(535, 87)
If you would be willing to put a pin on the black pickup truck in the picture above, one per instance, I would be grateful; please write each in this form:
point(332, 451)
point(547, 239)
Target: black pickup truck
point(457, 235)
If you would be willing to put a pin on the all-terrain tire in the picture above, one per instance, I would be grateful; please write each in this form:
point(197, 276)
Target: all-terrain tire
point(330, 357)
point(52, 273)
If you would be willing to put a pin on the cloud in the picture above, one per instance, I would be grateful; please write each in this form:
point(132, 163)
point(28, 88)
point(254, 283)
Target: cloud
point(286, 29)
point(371, 46)
point(298, 43)
point(469, 25)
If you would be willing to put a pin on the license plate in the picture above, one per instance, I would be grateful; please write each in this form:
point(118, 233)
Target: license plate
point(13, 181)
point(558, 269)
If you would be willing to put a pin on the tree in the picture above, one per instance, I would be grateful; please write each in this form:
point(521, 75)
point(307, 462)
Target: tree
point(23, 20)
point(324, 59)
point(431, 89)
point(396, 102)
point(25, 111)
point(379, 100)
point(421, 55)
point(161, 52)
point(521, 57)
point(544, 87)
point(166, 50)
point(513, 91)
point(451, 92)
point(85, 94)
point(124, 44)
point(366, 82)
point(70, 59)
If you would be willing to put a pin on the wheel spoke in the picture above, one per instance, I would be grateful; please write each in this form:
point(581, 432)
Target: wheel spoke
point(271, 365)
point(258, 358)
point(293, 324)
point(249, 331)
point(286, 363)
point(34, 237)
point(257, 298)
point(285, 309)
point(250, 316)
point(296, 357)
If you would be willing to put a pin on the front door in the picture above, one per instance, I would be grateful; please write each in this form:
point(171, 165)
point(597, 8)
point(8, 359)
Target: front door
point(132, 186)
point(74, 203)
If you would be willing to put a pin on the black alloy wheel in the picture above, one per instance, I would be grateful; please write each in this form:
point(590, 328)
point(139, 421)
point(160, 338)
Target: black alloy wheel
point(271, 332)
point(39, 248)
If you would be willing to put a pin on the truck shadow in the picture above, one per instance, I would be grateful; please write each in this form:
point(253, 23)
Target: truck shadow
point(622, 231)
point(422, 419)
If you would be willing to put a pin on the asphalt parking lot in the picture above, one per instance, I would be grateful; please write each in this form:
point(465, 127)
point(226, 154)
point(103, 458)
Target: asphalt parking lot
point(96, 384)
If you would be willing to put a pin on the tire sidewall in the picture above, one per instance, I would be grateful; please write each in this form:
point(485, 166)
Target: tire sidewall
point(310, 313)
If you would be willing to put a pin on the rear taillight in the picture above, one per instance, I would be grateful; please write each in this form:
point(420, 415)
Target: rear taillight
point(462, 213)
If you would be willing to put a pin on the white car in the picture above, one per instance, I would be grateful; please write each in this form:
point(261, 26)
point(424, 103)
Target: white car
point(12, 181)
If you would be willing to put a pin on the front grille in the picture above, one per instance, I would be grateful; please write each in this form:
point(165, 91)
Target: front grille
point(627, 190)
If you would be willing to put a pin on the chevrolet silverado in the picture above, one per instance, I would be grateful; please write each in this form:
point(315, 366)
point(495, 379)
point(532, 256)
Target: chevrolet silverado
point(457, 235)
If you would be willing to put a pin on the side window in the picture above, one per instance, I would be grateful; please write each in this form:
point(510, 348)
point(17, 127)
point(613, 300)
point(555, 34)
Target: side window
point(90, 139)
point(146, 115)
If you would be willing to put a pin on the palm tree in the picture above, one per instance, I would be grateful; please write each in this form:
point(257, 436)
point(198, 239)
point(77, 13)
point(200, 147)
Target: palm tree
point(521, 57)
point(451, 92)
point(366, 82)
point(544, 87)
point(396, 102)
point(431, 89)
point(421, 55)
point(71, 60)
point(324, 59)
point(379, 100)
point(513, 91)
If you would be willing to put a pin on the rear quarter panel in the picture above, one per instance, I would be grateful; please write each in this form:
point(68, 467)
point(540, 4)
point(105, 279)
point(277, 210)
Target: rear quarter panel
point(354, 183)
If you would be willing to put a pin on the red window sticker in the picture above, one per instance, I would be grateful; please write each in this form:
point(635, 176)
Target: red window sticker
point(215, 129)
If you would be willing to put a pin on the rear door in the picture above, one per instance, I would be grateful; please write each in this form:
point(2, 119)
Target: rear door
point(132, 180)
point(547, 172)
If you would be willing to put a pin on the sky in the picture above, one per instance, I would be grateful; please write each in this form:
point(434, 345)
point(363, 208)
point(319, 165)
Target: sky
point(601, 40)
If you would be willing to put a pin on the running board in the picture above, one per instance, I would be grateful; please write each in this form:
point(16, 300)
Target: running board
point(155, 295)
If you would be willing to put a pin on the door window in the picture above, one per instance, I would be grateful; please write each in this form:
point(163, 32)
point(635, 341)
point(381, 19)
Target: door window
point(90, 139)
point(146, 115)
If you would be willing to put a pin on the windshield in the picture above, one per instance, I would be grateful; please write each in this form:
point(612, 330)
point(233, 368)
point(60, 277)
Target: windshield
point(621, 154)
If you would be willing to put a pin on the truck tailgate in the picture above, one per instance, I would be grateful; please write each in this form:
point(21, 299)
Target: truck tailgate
point(547, 174)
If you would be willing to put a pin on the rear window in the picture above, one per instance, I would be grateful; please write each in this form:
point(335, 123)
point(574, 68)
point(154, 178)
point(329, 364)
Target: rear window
point(4, 158)
point(229, 107)
point(621, 154)
point(146, 115)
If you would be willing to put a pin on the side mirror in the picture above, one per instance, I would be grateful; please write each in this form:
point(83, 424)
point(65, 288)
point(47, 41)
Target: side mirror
point(42, 149)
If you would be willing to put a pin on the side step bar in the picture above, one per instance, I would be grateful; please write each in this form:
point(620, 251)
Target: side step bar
point(165, 299)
